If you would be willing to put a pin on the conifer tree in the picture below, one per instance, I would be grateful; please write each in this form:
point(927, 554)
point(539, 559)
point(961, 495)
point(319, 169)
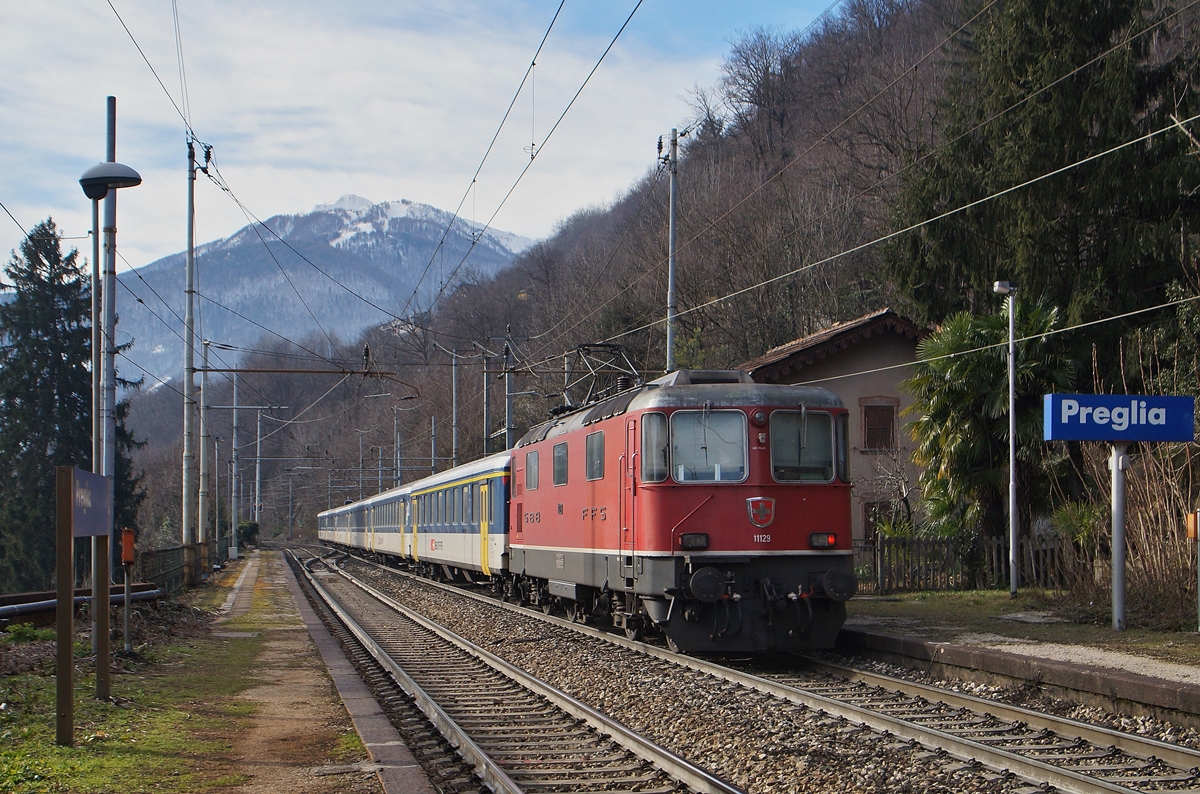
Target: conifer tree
point(1095, 241)
point(45, 404)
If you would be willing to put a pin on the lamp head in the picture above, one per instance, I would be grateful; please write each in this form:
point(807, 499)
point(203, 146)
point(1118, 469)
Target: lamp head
point(1004, 287)
point(102, 177)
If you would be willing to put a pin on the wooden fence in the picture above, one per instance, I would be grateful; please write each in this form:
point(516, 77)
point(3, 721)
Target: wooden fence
point(893, 565)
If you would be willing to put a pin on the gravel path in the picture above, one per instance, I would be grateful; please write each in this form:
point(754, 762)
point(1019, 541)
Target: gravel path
point(756, 741)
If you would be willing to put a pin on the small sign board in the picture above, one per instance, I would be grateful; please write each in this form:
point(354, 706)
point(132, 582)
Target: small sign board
point(89, 504)
point(1118, 418)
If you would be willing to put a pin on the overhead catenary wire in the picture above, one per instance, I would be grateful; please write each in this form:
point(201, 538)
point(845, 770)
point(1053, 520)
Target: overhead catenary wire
point(825, 136)
point(475, 241)
point(487, 152)
point(799, 227)
point(945, 145)
point(913, 227)
point(186, 124)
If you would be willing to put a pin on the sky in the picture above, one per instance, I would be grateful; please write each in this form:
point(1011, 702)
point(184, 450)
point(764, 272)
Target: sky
point(305, 101)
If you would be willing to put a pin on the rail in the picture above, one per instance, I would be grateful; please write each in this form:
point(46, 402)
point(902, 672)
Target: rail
point(570, 712)
point(1086, 759)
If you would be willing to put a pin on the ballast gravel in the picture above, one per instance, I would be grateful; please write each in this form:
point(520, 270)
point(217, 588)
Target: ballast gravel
point(756, 741)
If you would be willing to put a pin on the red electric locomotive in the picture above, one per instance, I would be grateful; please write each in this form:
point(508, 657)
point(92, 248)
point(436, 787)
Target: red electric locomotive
point(710, 506)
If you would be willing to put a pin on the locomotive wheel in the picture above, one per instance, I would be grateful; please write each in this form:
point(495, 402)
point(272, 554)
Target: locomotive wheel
point(574, 612)
point(633, 632)
point(671, 644)
point(547, 606)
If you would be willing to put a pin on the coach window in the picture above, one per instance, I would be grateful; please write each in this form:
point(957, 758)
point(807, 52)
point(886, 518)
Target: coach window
point(531, 471)
point(802, 446)
point(654, 448)
point(594, 452)
point(458, 512)
point(708, 446)
point(560, 464)
point(476, 512)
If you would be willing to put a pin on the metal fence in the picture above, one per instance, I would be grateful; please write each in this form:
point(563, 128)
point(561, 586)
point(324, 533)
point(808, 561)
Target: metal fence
point(892, 565)
point(164, 567)
point(167, 568)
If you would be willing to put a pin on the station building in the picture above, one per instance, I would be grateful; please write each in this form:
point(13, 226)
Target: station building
point(863, 361)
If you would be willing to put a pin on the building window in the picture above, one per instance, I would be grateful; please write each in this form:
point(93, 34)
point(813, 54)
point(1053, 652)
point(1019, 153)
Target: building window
point(879, 426)
point(531, 471)
point(595, 455)
point(560, 464)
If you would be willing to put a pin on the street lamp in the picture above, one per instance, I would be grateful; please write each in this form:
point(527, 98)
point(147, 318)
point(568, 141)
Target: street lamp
point(96, 182)
point(101, 181)
point(1010, 289)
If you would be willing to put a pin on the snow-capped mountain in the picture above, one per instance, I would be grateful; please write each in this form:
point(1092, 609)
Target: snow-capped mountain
point(350, 264)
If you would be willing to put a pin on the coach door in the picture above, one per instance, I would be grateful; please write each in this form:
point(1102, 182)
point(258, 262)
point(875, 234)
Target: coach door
point(627, 545)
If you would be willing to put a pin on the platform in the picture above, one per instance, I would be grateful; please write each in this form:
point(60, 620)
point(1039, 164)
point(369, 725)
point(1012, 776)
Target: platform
point(1124, 683)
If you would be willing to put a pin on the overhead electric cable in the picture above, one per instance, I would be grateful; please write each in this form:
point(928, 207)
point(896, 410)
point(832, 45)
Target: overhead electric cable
point(913, 227)
point(483, 160)
point(311, 405)
point(900, 171)
point(540, 147)
point(262, 327)
point(14, 220)
point(183, 92)
point(187, 125)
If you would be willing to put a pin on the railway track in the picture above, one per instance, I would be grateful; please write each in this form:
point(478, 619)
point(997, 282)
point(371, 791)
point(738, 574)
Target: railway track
point(1043, 750)
point(518, 733)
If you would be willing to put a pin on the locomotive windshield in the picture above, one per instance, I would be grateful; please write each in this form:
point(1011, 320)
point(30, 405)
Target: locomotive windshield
point(708, 446)
point(801, 446)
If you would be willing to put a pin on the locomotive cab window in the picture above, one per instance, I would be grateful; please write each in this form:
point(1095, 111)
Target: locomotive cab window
point(802, 446)
point(654, 448)
point(594, 452)
point(708, 446)
point(531, 471)
point(560, 464)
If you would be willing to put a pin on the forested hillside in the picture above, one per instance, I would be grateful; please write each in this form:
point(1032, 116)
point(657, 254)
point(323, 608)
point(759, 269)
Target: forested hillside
point(902, 153)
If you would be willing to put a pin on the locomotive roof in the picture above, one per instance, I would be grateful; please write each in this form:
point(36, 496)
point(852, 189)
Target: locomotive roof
point(688, 389)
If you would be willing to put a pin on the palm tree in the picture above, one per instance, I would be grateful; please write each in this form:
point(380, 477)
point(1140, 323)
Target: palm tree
point(960, 388)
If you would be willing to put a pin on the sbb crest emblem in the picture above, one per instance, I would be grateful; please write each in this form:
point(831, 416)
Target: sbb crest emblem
point(761, 510)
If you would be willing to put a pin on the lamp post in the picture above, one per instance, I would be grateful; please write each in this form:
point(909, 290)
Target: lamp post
point(101, 181)
point(1010, 289)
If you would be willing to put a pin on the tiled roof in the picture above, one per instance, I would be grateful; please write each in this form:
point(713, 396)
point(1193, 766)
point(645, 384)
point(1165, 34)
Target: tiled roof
point(802, 352)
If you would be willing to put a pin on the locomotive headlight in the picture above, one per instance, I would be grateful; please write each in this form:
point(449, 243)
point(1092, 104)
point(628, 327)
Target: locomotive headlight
point(822, 540)
point(693, 540)
point(759, 418)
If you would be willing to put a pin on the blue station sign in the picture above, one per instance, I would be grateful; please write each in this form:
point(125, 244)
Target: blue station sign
point(89, 502)
point(1118, 417)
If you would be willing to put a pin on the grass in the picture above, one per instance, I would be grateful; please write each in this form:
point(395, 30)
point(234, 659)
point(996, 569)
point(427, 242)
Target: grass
point(161, 734)
point(166, 730)
point(946, 616)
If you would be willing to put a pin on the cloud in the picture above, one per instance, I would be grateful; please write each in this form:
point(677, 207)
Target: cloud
point(305, 102)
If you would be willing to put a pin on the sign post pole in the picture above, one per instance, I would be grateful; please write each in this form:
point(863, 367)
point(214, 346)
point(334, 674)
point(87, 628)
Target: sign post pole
point(1118, 462)
point(83, 502)
point(64, 727)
